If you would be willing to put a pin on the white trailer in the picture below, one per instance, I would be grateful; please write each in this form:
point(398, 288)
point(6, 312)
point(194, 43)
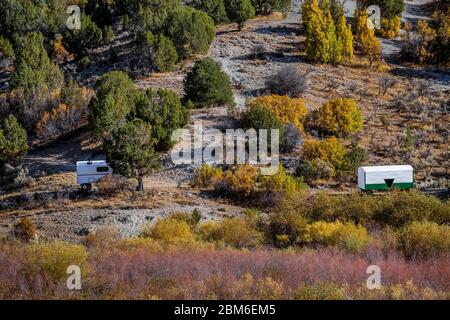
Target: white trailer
point(89, 172)
point(386, 178)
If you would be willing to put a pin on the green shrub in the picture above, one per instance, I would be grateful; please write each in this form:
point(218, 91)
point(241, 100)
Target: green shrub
point(191, 219)
point(352, 207)
point(239, 11)
point(263, 118)
point(191, 31)
point(265, 7)
point(321, 291)
point(171, 231)
point(108, 34)
point(393, 209)
point(196, 216)
point(206, 176)
point(13, 141)
point(251, 213)
point(235, 232)
point(79, 41)
point(207, 85)
point(162, 109)
point(52, 259)
point(354, 158)
point(305, 170)
point(115, 98)
point(84, 62)
point(6, 49)
point(347, 236)
point(214, 8)
point(286, 229)
point(166, 54)
point(400, 208)
point(424, 239)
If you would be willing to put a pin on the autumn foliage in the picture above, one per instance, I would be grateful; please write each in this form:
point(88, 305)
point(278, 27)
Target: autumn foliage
point(288, 110)
point(339, 117)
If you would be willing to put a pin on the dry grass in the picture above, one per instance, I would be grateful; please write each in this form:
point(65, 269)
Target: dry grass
point(142, 270)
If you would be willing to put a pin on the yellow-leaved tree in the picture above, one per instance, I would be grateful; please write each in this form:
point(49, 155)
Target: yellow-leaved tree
point(365, 37)
point(324, 155)
point(317, 42)
point(345, 37)
point(390, 27)
point(288, 110)
point(340, 116)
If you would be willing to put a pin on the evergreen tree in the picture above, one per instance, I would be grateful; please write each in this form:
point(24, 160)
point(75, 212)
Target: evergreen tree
point(6, 49)
point(239, 11)
point(34, 68)
point(208, 85)
point(131, 151)
point(191, 31)
point(116, 97)
point(162, 109)
point(166, 54)
point(79, 41)
point(13, 141)
point(214, 8)
point(35, 79)
point(265, 7)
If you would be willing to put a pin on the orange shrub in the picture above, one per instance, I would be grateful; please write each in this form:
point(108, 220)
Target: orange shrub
point(112, 184)
point(241, 181)
point(60, 54)
point(25, 230)
point(60, 121)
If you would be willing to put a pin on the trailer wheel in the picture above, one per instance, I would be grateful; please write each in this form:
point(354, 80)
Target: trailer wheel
point(86, 187)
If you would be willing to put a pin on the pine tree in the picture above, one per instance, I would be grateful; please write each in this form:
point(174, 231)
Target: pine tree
point(116, 97)
point(239, 11)
point(13, 141)
point(166, 54)
point(131, 151)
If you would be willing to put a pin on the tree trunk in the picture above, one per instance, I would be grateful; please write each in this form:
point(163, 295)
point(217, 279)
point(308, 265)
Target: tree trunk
point(140, 184)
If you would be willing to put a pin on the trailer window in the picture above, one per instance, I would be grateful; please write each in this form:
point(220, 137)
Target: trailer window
point(102, 169)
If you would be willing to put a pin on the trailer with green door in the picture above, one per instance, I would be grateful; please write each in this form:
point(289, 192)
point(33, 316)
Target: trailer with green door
point(381, 178)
